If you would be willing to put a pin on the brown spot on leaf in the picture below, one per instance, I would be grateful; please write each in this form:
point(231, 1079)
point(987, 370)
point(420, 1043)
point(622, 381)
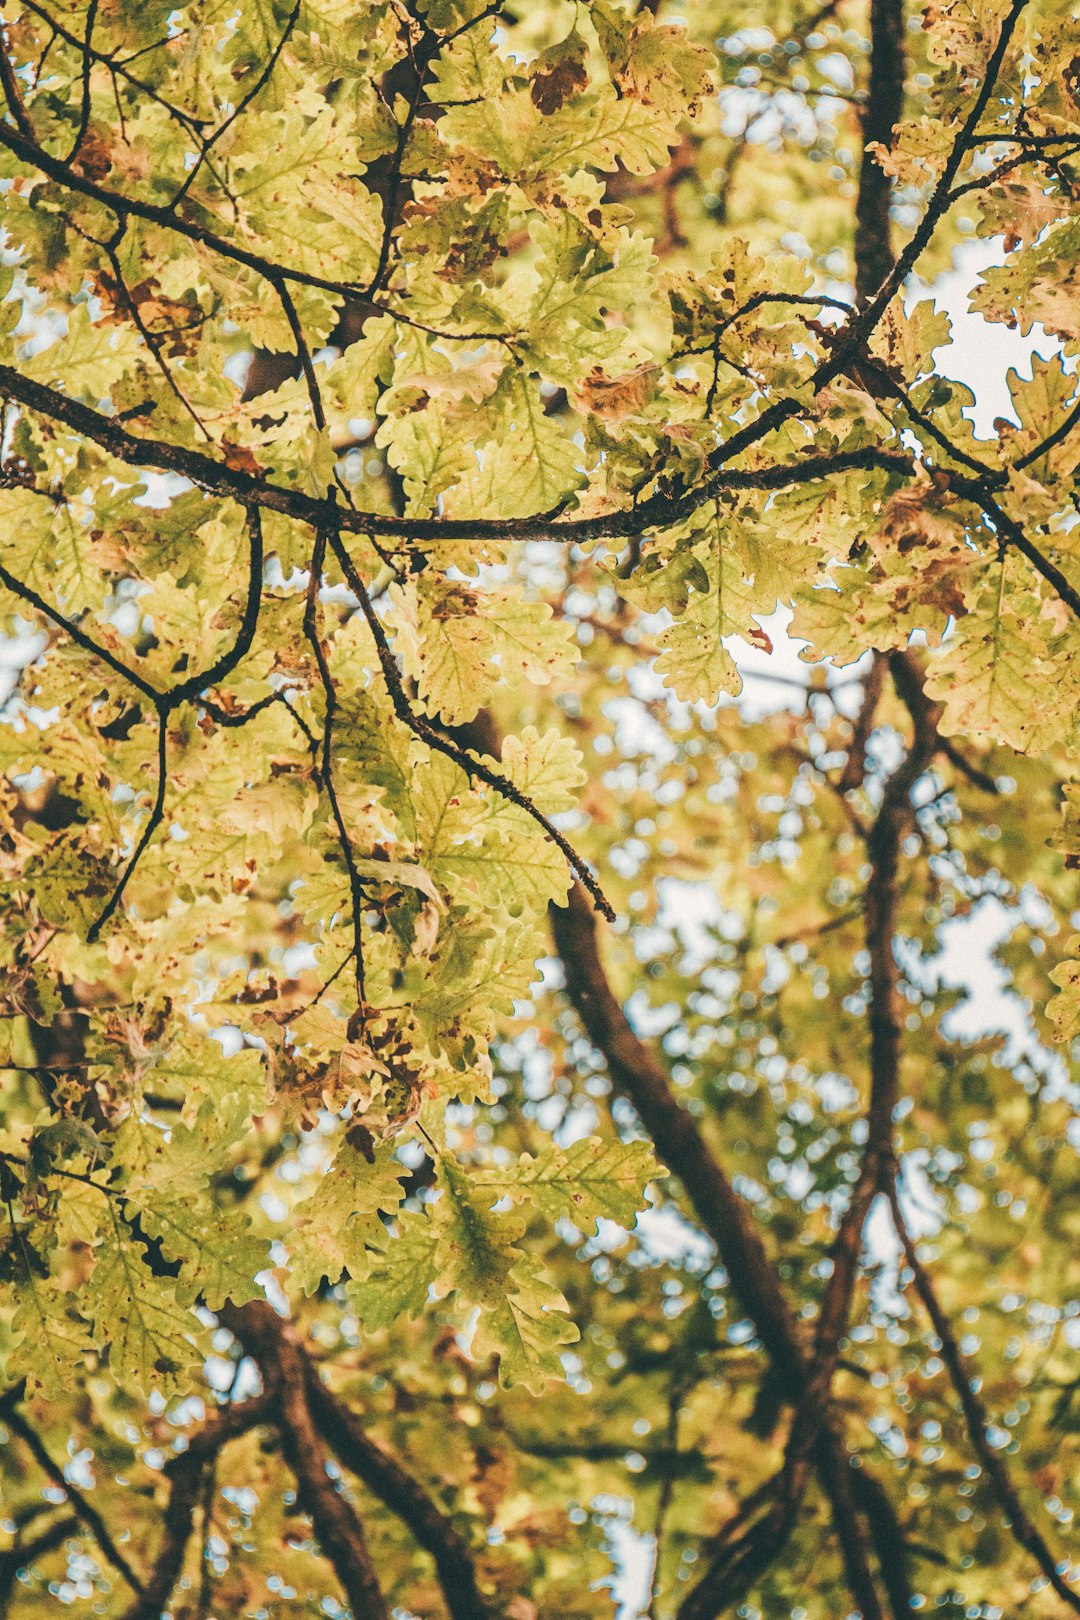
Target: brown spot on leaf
point(550, 89)
point(361, 1140)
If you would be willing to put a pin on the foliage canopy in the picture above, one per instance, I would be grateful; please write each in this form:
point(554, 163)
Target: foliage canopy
point(490, 1114)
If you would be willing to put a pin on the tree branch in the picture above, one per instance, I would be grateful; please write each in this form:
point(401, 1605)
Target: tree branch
point(164, 701)
point(27, 594)
point(854, 771)
point(233, 717)
point(637, 1074)
point(9, 83)
point(153, 822)
point(739, 1563)
point(25, 1553)
point(116, 68)
point(1023, 1528)
point(885, 1018)
point(245, 634)
point(241, 107)
point(124, 207)
point(884, 104)
point(1052, 440)
point(865, 323)
point(275, 1347)
point(152, 340)
point(84, 1509)
point(87, 68)
point(1011, 532)
point(403, 1495)
point(219, 479)
point(185, 1473)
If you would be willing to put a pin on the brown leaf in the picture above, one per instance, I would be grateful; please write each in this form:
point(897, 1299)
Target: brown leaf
point(92, 160)
point(559, 74)
point(613, 397)
point(240, 458)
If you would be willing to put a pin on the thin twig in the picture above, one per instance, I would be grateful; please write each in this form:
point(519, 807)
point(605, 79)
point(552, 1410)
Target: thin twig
point(241, 107)
point(403, 1494)
point(243, 717)
point(326, 770)
point(84, 1509)
point(185, 1474)
point(115, 66)
point(87, 68)
point(469, 763)
point(152, 340)
point(153, 822)
point(1021, 1525)
point(1052, 440)
point(13, 94)
point(341, 1536)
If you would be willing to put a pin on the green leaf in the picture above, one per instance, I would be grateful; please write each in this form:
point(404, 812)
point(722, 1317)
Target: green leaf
point(986, 679)
point(476, 1247)
point(529, 465)
point(695, 662)
point(343, 1214)
point(460, 644)
point(51, 1340)
point(588, 1182)
point(401, 1271)
point(1063, 1009)
point(527, 1330)
point(139, 1324)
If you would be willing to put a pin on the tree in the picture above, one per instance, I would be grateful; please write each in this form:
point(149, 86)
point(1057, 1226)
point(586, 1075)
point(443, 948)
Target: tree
point(487, 1113)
